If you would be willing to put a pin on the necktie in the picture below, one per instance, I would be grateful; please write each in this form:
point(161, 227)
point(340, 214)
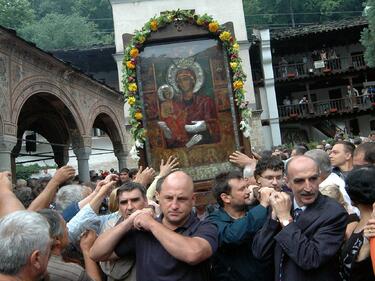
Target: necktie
point(296, 213)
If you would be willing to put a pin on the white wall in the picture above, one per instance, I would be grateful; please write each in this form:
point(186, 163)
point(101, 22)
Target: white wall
point(129, 15)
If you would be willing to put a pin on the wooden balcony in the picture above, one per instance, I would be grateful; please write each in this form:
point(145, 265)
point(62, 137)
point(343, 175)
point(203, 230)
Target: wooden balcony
point(326, 107)
point(310, 68)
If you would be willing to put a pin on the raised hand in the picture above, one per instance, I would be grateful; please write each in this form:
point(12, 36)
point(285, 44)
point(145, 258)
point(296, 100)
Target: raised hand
point(146, 176)
point(169, 166)
point(240, 159)
point(64, 174)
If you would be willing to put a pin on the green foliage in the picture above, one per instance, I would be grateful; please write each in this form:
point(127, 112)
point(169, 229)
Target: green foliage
point(368, 34)
point(16, 13)
point(57, 31)
point(57, 24)
point(24, 172)
point(281, 12)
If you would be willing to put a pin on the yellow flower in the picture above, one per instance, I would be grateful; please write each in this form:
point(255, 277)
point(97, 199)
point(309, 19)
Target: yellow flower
point(132, 87)
point(225, 36)
point(213, 26)
point(154, 25)
point(131, 100)
point(138, 115)
point(238, 85)
point(233, 65)
point(130, 65)
point(200, 21)
point(141, 39)
point(134, 52)
point(236, 47)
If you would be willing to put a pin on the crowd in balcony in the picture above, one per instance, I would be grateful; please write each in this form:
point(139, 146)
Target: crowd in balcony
point(324, 60)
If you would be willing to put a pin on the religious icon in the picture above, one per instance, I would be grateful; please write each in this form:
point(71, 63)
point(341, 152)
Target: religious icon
point(186, 112)
point(192, 117)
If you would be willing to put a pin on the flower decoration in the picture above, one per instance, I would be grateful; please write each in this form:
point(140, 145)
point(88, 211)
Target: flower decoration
point(154, 25)
point(213, 26)
point(130, 62)
point(225, 36)
point(134, 52)
point(237, 85)
point(138, 115)
point(132, 87)
point(131, 101)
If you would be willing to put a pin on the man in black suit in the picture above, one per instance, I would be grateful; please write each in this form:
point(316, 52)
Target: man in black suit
point(304, 232)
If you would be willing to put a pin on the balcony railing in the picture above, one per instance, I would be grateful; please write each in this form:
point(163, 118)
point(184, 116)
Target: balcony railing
point(300, 70)
point(327, 107)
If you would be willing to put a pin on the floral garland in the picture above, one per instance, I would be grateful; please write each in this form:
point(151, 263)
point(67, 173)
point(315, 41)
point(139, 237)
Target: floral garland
point(130, 62)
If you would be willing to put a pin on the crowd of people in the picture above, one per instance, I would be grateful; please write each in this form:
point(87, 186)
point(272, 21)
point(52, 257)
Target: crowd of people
point(300, 214)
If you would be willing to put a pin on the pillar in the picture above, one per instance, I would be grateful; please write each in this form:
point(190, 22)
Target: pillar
point(83, 155)
point(7, 143)
point(121, 157)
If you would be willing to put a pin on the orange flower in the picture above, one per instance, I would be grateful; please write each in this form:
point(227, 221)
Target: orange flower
point(138, 115)
point(213, 26)
point(130, 65)
point(238, 85)
point(154, 25)
point(134, 52)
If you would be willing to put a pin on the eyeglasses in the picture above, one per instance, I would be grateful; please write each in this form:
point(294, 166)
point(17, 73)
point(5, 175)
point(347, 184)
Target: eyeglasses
point(271, 178)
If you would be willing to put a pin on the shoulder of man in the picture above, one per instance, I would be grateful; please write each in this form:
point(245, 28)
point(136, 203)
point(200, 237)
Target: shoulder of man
point(331, 207)
point(70, 271)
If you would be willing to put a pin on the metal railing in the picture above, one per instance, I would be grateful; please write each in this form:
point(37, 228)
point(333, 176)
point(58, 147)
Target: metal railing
point(299, 70)
point(326, 107)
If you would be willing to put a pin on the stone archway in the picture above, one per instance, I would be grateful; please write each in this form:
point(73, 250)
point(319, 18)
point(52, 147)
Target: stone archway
point(48, 116)
point(34, 85)
point(106, 120)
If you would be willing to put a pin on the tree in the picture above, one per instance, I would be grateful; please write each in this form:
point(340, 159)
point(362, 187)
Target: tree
point(284, 12)
point(368, 34)
point(45, 7)
point(98, 10)
point(16, 13)
point(56, 31)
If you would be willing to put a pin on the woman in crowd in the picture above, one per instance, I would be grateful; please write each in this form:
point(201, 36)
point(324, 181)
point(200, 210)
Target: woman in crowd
point(356, 261)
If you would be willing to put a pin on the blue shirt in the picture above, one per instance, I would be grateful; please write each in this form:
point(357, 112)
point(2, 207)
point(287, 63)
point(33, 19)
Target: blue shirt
point(234, 259)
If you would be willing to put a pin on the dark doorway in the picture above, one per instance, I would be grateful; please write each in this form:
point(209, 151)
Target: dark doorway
point(354, 127)
point(334, 94)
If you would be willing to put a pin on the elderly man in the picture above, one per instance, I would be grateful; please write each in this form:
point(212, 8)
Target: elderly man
point(175, 246)
point(305, 232)
point(25, 246)
point(237, 226)
point(58, 269)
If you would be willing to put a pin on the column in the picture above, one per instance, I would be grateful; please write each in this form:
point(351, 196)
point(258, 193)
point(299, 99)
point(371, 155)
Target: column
point(121, 157)
point(83, 155)
point(7, 143)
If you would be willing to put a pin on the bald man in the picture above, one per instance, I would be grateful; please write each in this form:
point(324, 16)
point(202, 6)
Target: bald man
point(175, 246)
point(304, 232)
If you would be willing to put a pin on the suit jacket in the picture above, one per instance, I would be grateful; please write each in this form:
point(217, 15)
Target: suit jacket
point(310, 245)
